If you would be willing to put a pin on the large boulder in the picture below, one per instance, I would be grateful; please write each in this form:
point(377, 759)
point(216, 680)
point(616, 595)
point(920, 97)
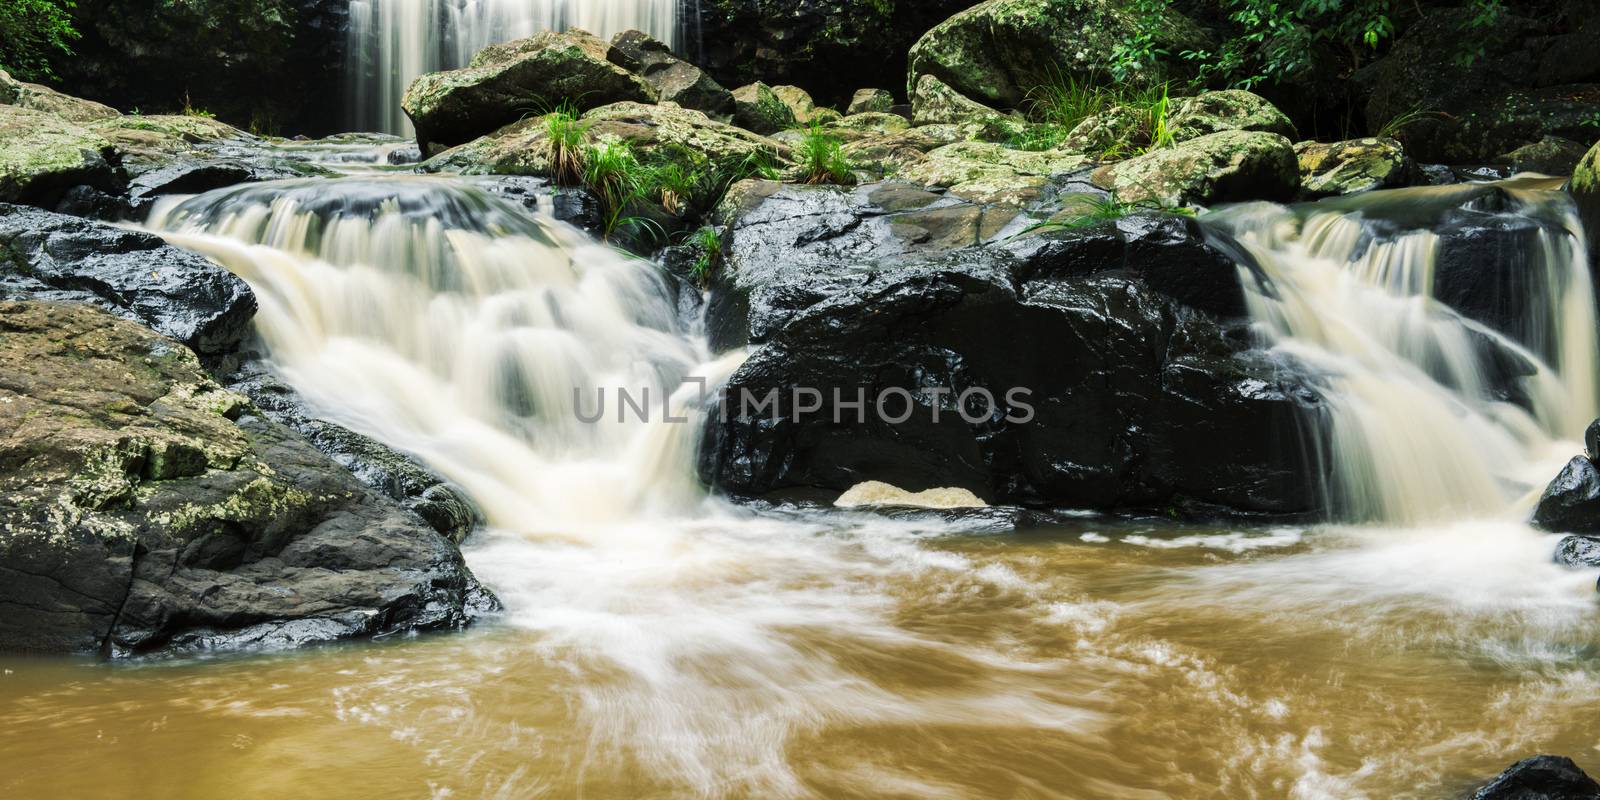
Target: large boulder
point(1534, 75)
point(1541, 778)
point(868, 101)
point(510, 81)
point(998, 51)
point(674, 80)
point(1585, 189)
point(1216, 168)
point(828, 47)
point(1358, 165)
point(1552, 155)
point(933, 102)
point(145, 508)
point(1128, 404)
point(134, 275)
point(43, 155)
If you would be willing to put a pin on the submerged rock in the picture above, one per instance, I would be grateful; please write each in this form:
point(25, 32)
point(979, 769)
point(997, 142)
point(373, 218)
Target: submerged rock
point(134, 275)
point(877, 493)
point(43, 155)
point(1359, 165)
point(1541, 778)
point(1216, 168)
point(510, 81)
point(145, 508)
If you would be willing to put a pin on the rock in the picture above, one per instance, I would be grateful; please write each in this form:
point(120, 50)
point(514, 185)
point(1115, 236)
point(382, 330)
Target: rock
point(992, 173)
point(1551, 155)
point(1541, 778)
point(1109, 134)
point(870, 122)
point(443, 505)
point(1359, 165)
point(888, 154)
point(1531, 78)
point(1216, 168)
point(651, 130)
point(933, 102)
point(1571, 503)
point(1128, 408)
point(876, 493)
point(144, 508)
point(1578, 551)
point(1226, 110)
point(674, 80)
point(43, 98)
point(43, 155)
point(869, 101)
point(134, 275)
point(1585, 189)
point(828, 47)
point(1591, 440)
point(505, 82)
point(757, 107)
point(999, 50)
point(888, 287)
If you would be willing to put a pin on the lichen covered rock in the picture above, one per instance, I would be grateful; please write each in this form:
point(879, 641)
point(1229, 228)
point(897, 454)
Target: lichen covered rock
point(43, 98)
point(1359, 165)
point(674, 80)
point(934, 102)
point(506, 82)
point(1226, 110)
point(991, 173)
point(42, 155)
point(867, 101)
point(142, 507)
point(1217, 168)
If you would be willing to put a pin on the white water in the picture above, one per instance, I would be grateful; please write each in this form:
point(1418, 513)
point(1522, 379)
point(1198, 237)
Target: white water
point(708, 649)
point(391, 42)
point(1417, 435)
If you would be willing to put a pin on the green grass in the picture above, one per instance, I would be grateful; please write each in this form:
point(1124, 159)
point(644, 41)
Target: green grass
point(708, 243)
point(566, 138)
point(822, 159)
point(1063, 101)
point(1396, 127)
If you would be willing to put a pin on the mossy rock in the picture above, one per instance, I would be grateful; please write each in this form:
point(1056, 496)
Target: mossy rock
point(43, 98)
point(42, 155)
point(759, 108)
point(1226, 110)
point(933, 102)
point(1221, 167)
point(990, 173)
point(1359, 165)
point(1109, 133)
point(997, 51)
point(870, 101)
point(506, 82)
point(1551, 155)
point(1585, 188)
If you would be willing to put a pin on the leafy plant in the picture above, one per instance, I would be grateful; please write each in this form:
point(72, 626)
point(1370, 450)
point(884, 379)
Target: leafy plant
point(191, 110)
point(1280, 41)
point(32, 33)
point(822, 159)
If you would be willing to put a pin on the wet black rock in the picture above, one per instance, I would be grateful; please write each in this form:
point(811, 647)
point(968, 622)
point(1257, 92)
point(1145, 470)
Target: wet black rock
point(674, 79)
point(1571, 503)
point(1541, 778)
point(135, 275)
point(443, 505)
point(144, 508)
point(1138, 399)
point(1578, 551)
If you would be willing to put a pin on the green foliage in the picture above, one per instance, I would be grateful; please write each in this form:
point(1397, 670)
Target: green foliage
point(778, 114)
point(1396, 128)
point(32, 33)
point(1135, 54)
point(611, 172)
point(1056, 106)
point(565, 139)
point(1086, 212)
point(191, 110)
point(1483, 15)
point(1279, 41)
point(822, 159)
point(708, 243)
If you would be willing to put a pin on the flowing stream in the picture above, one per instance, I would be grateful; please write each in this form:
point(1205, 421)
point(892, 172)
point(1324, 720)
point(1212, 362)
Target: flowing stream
point(657, 642)
point(391, 42)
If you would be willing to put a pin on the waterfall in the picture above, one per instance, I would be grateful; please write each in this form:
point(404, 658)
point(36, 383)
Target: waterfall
point(391, 42)
point(432, 315)
point(1419, 419)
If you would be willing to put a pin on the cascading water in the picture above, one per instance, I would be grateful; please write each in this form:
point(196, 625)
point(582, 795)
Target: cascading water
point(391, 42)
point(659, 644)
point(1419, 421)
